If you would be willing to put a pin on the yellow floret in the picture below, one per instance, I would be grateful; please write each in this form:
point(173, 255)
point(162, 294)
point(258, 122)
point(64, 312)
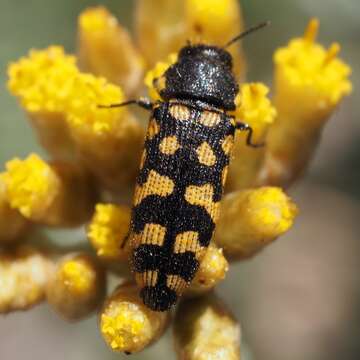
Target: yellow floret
point(271, 210)
point(213, 268)
point(253, 105)
point(106, 49)
point(254, 108)
point(43, 79)
point(251, 219)
point(204, 329)
point(156, 73)
point(31, 185)
point(24, 274)
point(216, 22)
point(77, 287)
point(304, 63)
point(82, 108)
point(108, 229)
point(49, 81)
point(201, 16)
point(126, 324)
point(77, 276)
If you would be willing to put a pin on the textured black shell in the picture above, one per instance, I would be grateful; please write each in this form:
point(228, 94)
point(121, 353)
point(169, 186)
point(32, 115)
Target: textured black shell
point(203, 73)
point(174, 212)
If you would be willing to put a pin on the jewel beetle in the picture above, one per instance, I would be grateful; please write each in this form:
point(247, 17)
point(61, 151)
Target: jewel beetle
point(183, 170)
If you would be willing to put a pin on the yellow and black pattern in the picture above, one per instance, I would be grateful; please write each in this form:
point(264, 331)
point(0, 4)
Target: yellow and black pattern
point(177, 196)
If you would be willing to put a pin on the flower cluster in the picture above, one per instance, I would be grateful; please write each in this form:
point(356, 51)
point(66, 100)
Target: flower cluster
point(94, 156)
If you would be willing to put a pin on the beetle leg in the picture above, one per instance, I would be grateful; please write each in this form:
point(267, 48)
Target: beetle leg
point(126, 239)
point(245, 127)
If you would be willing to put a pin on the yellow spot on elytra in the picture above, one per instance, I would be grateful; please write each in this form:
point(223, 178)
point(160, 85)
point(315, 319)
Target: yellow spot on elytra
point(188, 241)
point(205, 154)
point(147, 278)
point(153, 234)
point(228, 144)
point(176, 283)
point(169, 145)
point(179, 112)
point(155, 184)
point(153, 129)
point(203, 196)
point(210, 118)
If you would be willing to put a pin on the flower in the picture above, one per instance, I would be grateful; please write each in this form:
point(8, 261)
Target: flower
point(108, 230)
point(96, 153)
point(77, 286)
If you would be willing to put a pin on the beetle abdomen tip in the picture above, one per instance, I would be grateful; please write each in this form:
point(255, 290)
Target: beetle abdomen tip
point(158, 298)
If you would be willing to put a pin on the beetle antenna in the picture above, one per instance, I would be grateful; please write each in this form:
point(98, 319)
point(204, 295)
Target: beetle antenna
point(142, 102)
point(246, 32)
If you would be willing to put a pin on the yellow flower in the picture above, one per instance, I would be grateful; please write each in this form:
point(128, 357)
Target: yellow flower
point(31, 184)
point(310, 82)
point(254, 108)
point(310, 67)
point(108, 230)
point(77, 286)
point(128, 325)
point(154, 80)
point(96, 155)
point(106, 49)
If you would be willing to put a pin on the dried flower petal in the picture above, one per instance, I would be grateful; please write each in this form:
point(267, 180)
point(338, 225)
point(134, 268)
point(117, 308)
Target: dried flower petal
point(205, 330)
point(24, 274)
point(77, 287)
point(106, 49)
point(251, 219)
point(126, 324)
point(212, 270)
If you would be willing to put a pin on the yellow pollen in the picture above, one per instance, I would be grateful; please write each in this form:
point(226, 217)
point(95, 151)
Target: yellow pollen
point(124, 325)
point(49, 81)
point(254, 106)
point(77, 276)
point(108, 229)
point(31, 185)
point(274, 210)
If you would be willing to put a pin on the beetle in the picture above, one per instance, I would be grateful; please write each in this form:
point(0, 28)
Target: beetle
point(183, 170)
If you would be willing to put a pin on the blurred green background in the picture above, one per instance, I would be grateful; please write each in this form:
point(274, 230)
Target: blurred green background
point(299, 299)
